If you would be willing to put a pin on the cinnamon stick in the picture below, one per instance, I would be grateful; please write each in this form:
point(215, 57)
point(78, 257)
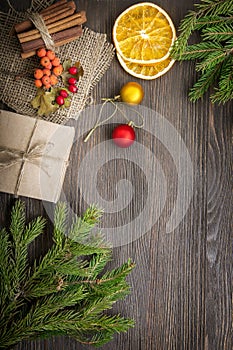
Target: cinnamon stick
point(68, 22)
point(57, 16)
point(62, 35)
point(53, 6)
point(49, 15)
point(59, 9)
point(59, 43)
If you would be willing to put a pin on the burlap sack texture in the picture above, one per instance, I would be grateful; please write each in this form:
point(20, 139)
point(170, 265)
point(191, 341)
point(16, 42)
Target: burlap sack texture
point(92, 50)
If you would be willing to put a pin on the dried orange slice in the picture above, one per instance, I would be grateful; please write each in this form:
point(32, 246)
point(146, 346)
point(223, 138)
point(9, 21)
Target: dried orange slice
point(147, 72)
point(144, 34)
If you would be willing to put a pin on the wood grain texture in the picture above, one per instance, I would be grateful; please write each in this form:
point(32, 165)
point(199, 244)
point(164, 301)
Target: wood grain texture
point(181, 286)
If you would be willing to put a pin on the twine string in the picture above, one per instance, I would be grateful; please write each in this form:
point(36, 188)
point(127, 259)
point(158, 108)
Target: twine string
point(14, 156)
point(31, 154)
point(39, 23)
point(117, 108)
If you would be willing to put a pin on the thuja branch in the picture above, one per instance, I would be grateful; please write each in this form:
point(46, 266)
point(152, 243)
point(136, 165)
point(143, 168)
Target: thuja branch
point(214, 21)
point(65, 292)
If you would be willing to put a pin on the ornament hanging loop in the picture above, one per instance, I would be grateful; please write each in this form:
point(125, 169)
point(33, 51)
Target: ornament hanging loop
point(89, 134)
point(117, 108)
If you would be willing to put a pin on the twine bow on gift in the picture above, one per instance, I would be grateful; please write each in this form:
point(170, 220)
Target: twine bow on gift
point(13, 157)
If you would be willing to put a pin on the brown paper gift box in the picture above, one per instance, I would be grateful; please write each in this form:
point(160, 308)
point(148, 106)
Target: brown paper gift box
point(33, 156)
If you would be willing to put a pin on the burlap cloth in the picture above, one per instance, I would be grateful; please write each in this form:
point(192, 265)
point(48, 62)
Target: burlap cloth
point(92, 50)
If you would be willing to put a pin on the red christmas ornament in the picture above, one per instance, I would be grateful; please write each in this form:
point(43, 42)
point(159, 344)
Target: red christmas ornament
point(123, 135)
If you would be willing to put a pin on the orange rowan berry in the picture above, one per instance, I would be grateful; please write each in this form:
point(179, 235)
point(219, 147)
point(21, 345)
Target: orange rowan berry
point(56, 62)
point(47, 86)
point(53, 79)
point(45, 61)
point(58, 70)
point(41, 52)
point(49, 65)
point(38, 83)
point(51, 55)
point(47, 72)
point(38, 73)
point(45, 80)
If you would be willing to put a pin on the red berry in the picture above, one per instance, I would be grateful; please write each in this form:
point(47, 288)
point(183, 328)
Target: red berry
point(72, 88)
point(72, 81)
point(63, 93)
point(60, 100)
point(73, 70)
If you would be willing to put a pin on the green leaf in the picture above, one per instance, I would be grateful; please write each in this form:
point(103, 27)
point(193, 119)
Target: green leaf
point(67, 64)
point(45, 101)
point(80, 70)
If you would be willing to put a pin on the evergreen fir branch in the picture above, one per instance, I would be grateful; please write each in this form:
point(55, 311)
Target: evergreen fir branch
point(22, 236)
point(215, 7)
point(33, 230)
point(60, 216)
point(63, 293)
point(187, 26)
point(44, 270)
point(73, 267)
point(191, 21)
point(81, 227)
point(96, 247)
point(119, 290)
point(17, 222)
point(229, 46)
point(213, 59)
point(96, 340)
point(114, 324)
point(212, 20)
point(92, 215)
point(224, 92)
point(59, 301)
point(199, 51)
point(204, 82)
point(4, 257)
point(118, 274)
point(218, 33)
point(5, 270)
point(97, 264)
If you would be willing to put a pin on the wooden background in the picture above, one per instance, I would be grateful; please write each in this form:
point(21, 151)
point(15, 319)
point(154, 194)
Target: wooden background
point(181, 286)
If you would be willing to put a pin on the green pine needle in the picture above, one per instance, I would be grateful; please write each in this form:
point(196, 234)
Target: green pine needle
point(224, 92)
point(198, 51)
point(220, 32)
point(63, 293)
point(204, 82)
point(214, 21)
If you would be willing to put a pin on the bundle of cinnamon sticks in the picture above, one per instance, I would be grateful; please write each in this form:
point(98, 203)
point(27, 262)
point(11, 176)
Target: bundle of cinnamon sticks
point(64, 24)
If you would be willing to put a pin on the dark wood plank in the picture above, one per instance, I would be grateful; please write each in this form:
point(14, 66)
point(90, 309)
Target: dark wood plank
point(181, 286)
point(219, 228)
